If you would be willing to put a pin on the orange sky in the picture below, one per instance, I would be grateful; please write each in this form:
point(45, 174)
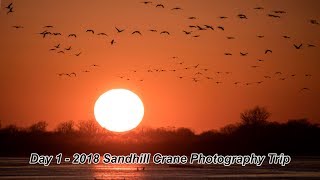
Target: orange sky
point(31, 90)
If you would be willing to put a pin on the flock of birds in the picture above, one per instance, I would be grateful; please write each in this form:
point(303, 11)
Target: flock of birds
point(196, 72)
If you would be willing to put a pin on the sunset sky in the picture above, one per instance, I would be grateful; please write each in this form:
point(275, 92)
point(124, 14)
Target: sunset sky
point(32, 90)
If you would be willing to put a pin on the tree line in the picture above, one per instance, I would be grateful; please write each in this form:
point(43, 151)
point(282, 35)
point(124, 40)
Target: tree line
point(254, 133)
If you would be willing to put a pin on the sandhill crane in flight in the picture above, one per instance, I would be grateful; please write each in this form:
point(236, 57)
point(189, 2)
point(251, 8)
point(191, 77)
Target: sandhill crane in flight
point(222, 17)
point(192, 17)
point(49, 26)
point(153, 30)
point(136, 32)
point(78, 54)
point(68, 49)
point(209, 27)
point(119, 30)
point(260, 36)
point(279, 12)
point(18, 27)
point(297, 46)
point(313, 21)
point(243, 54)
point(146, 2)
point(113, 42)
point(230, 37)
point(187, 32)
point(72, 35)
point(242, 16)
point(176, 8)
point(311, 45)
point(258, 8)
point(9, 6)
point(286, 37)
point(160, 5)
point(201, 28)
point(57, 46)
point(10, 10)
point(165, 32)
point(57, 34)
point(267, 51)
point(228, 54)
point(196, 36)
point(90, 30)
point(273, 16)
point(102, 34)
point(220, 27)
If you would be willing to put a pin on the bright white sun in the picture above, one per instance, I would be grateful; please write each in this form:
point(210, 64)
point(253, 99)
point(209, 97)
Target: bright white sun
point(119, 110)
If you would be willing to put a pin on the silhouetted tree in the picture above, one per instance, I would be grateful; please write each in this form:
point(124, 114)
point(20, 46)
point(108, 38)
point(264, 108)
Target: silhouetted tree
point(89, 127)
point(40, 126)
point(257, 115)
point(66, 127)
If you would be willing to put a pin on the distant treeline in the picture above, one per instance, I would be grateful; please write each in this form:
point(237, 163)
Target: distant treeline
point(254, 133)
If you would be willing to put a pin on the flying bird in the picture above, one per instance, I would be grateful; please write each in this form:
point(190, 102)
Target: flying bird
point(297, 46)
point(146, 2)
point(102, 34)
point(153, 30)
point(57, 46)
point(230, 37)
point(286, 37)
point(258, 8)
point(222, 17)
point(187, 32)
point(57, 34)
point(311, 45)
point(176, 8)
point(119, 30)
point(304, 89)
point(9, 6)
point(209, 27)
point(220, 27)
point(90, 30)
point(68, 49)
point(279, 12)
point(192, 17)
point(18, 27)
point(313, 21)
point(10, 10)
point(273, 16)
point(268, 51)
point(201, 28)
point(165, 32)
point(243, 54)
point(72, 35)
point(228, 54)
point(242, 16)
point(49, 26)
point(136, 32)
point(260, 36)
point(160, 5)
point(112, 41)
point(78, 54)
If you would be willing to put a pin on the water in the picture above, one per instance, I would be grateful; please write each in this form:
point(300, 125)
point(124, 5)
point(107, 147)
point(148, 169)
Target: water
point(18, 168)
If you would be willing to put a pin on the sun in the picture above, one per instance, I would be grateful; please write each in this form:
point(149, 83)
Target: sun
point(119, 110)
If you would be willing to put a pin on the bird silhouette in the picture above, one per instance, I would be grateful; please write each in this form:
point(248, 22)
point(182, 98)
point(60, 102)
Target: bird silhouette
point(308, 75)
point(242, 16)
point(72, 35)
point(220, 27)
point(196, 36)
point(119, 30)
point(192, 26)
point(187, 32)
point(95, 65)
point(73, 73)
point(136, 32)
point(237, 82)
point(78, 54)
point(218, 82)
point(278, 72)
point(61, 52)
point(209, 27)
point(160, 5)
point(9, 6)
point(258, 8)
point(243, 54)
point(255, 66)
point(153, 30)
point(146, 2)
point(273, 16)
point(102, 34)
point(90, 30)
point(165, 32)
point(279, 12)
point(304, 89)
point(267, 51)
point(222, 17)
point(311, 45)
point(313, 21)
point(260, 60)
point(297, 46)
point(18, 27)
point(192, 17)
point(228, 54)
point(230, 37)
point(10, 11)
point(57, 34)
point(176, 8)
point(286, 37)
point(48, 26)
point(68, 49)
point(260, 36)
point(201, 28)
point(57, 46)
point(113, 42)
